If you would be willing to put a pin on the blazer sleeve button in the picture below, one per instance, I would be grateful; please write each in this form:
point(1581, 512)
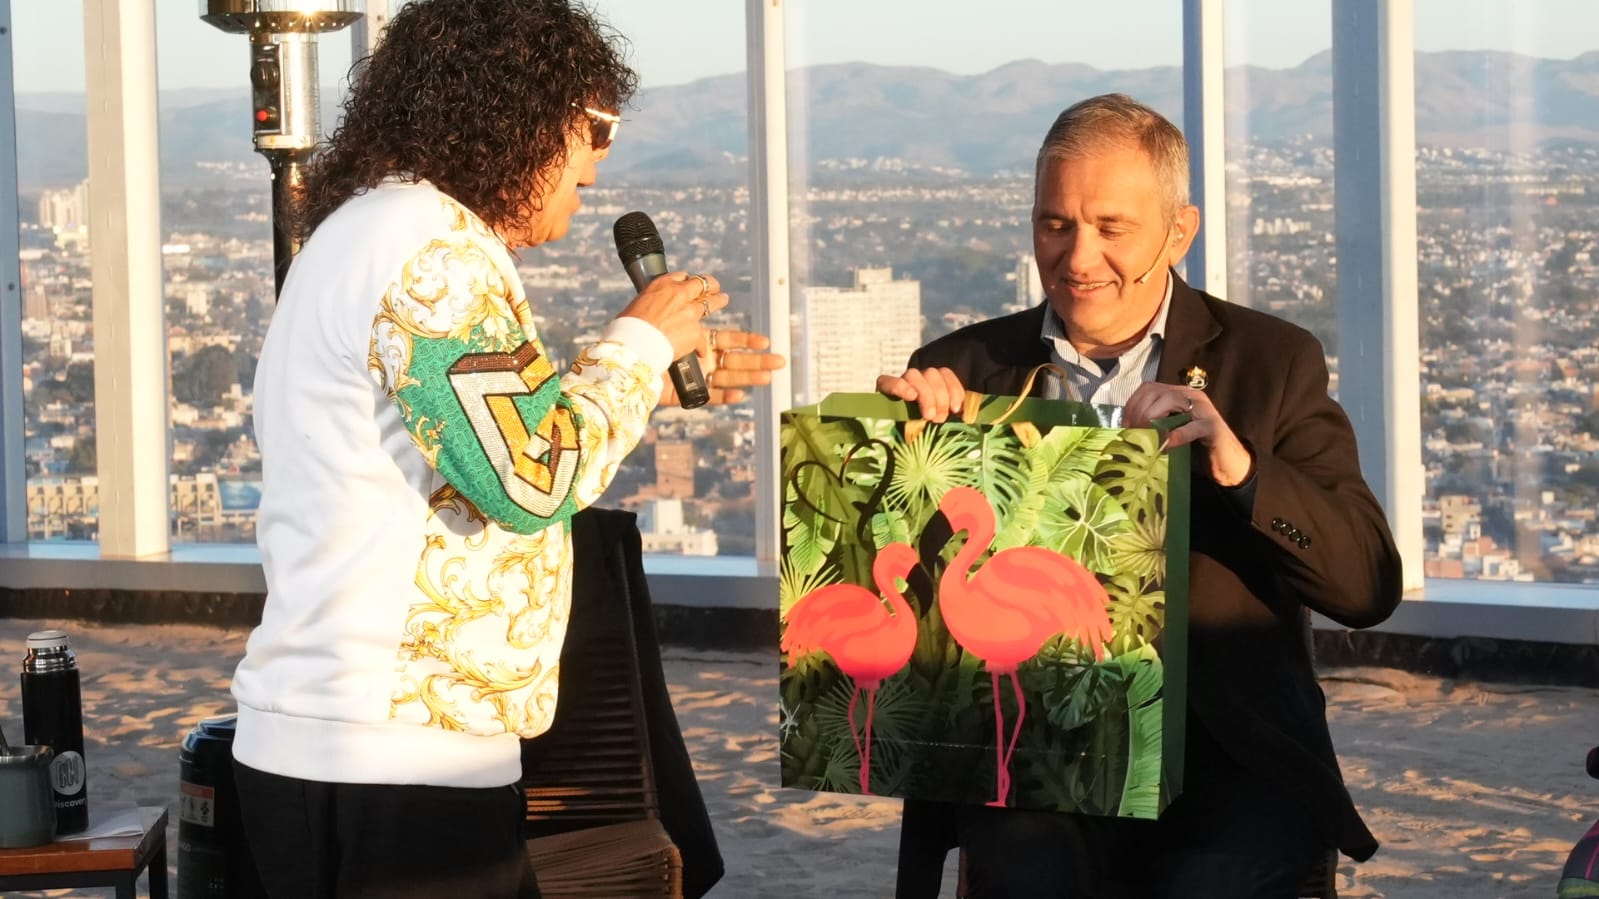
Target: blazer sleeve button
point(1304, 542)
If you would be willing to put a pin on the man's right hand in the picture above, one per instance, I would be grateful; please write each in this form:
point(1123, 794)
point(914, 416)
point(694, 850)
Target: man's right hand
point(936, 390)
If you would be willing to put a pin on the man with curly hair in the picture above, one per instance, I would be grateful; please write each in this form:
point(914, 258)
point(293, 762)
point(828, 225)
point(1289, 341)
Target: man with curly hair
point(422, 457)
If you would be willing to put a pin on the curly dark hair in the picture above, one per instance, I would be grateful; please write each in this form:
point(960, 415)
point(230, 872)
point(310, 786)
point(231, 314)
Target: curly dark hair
point(475, 96)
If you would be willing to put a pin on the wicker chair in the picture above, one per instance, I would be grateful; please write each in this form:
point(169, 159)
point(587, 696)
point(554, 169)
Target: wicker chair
point(593, 818)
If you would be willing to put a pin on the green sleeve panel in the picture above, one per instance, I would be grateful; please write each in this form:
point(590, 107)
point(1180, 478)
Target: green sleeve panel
point(454, 346)
point(496, 427)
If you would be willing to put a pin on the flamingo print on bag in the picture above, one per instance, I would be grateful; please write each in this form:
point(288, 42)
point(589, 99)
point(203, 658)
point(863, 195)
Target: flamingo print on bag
point(870, 642)
point(1005, 612)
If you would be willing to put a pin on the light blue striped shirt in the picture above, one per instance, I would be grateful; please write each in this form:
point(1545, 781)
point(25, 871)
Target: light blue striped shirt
point(1116, 382)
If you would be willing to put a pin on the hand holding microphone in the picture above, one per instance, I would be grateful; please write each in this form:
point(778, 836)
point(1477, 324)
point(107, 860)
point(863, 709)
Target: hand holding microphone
point(675, 305)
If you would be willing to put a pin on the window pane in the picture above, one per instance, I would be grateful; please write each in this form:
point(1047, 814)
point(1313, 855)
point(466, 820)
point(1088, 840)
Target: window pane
point(912, 145)
point(57, 321)
point(682, 158)
point(1508, 257)
point(1280, 215)
point(217, 261)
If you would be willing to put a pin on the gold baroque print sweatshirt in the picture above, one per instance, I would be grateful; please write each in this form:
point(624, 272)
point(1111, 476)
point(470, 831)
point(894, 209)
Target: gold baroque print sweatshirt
point(421, 457)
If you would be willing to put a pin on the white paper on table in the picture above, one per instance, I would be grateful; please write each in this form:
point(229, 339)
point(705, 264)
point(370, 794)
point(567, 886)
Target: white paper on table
point(113, 821)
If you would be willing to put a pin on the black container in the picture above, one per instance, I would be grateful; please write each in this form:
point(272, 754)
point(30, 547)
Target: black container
point(52, 715)
point(213, 858)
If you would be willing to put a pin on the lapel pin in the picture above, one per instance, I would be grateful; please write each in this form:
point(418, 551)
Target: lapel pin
point(1197, 378)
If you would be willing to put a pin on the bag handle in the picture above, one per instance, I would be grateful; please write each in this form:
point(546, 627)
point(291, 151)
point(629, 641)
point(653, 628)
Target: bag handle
point(974, 401)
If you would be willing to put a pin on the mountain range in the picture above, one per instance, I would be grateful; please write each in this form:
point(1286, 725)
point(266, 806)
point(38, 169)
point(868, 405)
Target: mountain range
point(916, 119)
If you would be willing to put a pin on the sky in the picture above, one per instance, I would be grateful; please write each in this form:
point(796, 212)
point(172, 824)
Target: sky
point(679, 41)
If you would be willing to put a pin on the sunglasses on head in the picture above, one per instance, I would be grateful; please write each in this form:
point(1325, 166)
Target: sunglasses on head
point(602, 126)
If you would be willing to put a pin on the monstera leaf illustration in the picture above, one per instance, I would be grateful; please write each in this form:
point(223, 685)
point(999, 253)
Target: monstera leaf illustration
point(1134, 469)
point(1136, 613)
point(1141, 549)
point(1082, 522)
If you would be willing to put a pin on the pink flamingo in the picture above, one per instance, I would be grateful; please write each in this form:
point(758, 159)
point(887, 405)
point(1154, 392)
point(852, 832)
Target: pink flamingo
point(1006, 611)
point(869, 642)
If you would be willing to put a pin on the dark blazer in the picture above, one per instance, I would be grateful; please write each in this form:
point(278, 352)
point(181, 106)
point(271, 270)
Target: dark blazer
point(1317, 540)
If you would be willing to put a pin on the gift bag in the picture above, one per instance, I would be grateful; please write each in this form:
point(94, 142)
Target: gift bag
point(987, 610)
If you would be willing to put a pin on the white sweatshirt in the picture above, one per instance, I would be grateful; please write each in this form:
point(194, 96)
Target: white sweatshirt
point(420, 461)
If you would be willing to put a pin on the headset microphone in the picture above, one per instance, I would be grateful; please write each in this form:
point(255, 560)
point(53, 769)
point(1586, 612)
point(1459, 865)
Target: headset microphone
point(1155, 263)
point(1152, 266)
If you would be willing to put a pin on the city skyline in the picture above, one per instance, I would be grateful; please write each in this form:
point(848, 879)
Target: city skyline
point(1510, 422)
point(694, 39)
point(1510, 431)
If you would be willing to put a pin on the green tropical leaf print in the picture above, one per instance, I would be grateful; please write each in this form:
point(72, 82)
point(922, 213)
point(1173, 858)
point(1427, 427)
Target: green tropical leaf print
point(942, 457)
point(809, 535)
point(1081, 523)
point(1061, 456)
point(1134, 470)
point(1002, 476)
point(794, 584)
point(1080, 694)
point(1144, 679)
point(890, 527)
point(1137, 612)
point(1141, 550)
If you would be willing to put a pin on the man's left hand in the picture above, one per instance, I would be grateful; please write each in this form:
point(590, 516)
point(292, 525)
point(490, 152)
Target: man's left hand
point(1230, 461)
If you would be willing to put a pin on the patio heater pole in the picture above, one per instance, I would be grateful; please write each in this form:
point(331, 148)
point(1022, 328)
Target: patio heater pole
point(285, 102)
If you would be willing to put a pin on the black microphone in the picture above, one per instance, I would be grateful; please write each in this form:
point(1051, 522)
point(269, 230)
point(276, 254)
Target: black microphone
point(1593, 762)
point(643, 255)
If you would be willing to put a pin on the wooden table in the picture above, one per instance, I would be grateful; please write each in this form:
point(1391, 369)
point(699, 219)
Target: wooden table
point(104, 861)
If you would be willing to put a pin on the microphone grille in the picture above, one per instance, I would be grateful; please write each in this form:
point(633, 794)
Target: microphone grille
point(1593, 762)
point(636, 236)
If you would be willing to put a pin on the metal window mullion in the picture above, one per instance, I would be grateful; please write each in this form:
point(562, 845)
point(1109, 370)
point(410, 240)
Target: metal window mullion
point(13, 476)
point(365, 31)
point(130, 342)
point(768, 224)
point(1204, 123)
point(1374, 148)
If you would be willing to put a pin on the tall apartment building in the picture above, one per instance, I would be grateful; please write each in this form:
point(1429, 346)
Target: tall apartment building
point(850, 335)
point(65, 211)
point(1029, 289)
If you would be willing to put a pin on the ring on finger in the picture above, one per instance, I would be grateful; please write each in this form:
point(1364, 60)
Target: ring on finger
point(706, 305)
point(705, 285)
point(713, 341)
point(1190, 408)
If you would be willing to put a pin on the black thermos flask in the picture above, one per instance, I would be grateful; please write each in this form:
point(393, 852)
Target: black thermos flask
point(52, 715)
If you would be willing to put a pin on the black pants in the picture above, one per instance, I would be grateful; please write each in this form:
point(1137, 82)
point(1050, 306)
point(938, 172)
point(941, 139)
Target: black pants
point(314, 840)
point(1232, 837)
